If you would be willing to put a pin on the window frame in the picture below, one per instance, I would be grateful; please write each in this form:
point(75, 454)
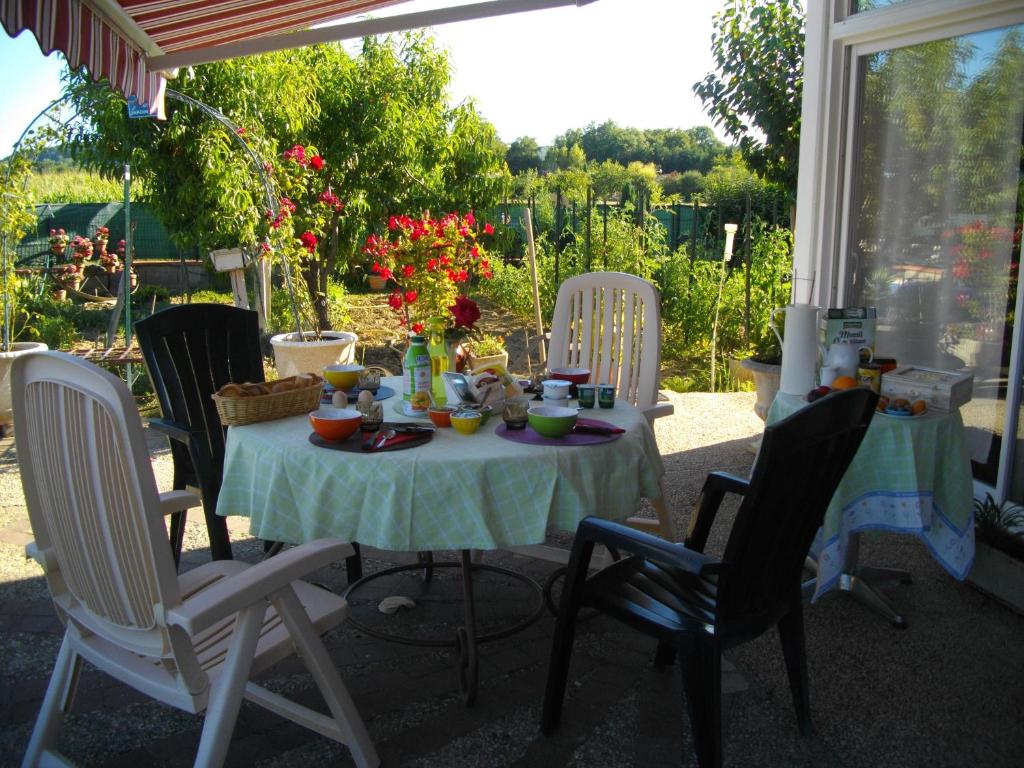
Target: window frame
point(836, 40)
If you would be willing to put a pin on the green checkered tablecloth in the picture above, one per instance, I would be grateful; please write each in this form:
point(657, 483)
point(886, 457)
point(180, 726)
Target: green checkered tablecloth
point(455, 492)
point(909, 476)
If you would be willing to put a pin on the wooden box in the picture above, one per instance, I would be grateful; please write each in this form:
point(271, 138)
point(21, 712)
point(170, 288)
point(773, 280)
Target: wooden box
point(944, 391)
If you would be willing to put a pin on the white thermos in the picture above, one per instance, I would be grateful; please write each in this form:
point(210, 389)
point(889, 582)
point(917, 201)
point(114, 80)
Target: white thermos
point(799, 343)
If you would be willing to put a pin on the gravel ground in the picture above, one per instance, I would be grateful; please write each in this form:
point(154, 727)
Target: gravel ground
point(947, 691)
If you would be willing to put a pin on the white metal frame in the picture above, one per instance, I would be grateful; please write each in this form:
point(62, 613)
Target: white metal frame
point(835, 42)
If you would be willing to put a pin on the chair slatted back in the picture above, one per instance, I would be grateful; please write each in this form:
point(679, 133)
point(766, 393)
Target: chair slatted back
point(802, 460)
point(91, 498)
point(191, 351)
point(610, 322)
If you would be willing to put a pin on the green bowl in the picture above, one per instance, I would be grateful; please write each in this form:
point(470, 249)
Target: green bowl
point(551, 420)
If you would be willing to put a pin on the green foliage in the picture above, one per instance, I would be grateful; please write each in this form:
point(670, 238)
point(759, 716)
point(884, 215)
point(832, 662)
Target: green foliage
point(758, 49)
point(37, 316)
point(77, 185)
point(670, 149)
point(380, 120)
point(523, 155)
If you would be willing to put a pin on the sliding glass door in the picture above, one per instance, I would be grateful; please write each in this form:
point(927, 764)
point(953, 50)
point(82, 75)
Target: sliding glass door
point(935, 209)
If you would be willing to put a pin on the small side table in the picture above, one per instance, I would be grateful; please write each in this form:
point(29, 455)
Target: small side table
point(910, 475)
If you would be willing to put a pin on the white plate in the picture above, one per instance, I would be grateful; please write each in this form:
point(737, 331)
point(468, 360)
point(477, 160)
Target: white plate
point(903, 414)
point(399, 407)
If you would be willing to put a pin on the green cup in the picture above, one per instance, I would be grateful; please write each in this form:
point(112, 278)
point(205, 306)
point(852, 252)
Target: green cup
point(587, 395)
point(606, 395)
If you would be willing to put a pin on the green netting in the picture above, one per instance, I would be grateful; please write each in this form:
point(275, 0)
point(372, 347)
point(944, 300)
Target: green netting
point(151, 240)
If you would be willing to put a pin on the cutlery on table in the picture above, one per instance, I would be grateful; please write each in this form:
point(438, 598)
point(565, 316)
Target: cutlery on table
point(595, 429)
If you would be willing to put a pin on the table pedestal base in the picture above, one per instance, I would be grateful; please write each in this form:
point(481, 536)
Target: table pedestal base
point(862, 583)
point(466, 638)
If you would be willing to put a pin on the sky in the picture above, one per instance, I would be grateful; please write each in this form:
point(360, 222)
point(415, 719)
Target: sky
point(532, 74)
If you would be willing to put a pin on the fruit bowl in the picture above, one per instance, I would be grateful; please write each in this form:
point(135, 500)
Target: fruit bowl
point(551, 420)
point(335, 423)
point(343, 375)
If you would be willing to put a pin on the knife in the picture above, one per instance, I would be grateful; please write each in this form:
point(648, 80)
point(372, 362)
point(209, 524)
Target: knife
point(596, 429)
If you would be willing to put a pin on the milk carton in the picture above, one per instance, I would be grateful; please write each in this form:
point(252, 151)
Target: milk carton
point(849, 324)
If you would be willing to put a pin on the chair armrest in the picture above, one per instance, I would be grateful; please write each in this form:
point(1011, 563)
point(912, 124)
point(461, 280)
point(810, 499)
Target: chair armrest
point(45, 557)
point(658, 410)
point(600, 531)
point(715, 487)
point(176, 501)
point(258, 582)
point(172, 429)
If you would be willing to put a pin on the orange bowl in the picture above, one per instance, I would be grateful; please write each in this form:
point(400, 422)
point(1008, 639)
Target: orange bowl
point(335, 423)
point(442, 416)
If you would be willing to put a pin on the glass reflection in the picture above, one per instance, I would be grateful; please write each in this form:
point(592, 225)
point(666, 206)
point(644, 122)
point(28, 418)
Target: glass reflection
point(935, 241)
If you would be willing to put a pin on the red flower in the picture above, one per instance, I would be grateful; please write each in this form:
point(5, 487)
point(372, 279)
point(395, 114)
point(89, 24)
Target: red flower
point(240, 130)
point(308, 240)
point(317, 162)
point(408, 270)
point(961, 270)
point(417, 327)
point(488, 229)
point(432, 265)
point(395, 300)
point(465, 311)
point(411, 296)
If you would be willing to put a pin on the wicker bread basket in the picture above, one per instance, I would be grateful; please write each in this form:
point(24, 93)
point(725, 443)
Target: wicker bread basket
point(235, 411)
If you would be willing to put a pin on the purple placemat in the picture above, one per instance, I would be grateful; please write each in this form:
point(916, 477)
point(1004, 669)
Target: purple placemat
point(530, 437)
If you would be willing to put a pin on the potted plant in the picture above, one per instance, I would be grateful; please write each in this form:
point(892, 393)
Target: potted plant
point(486, 350)
point(100, 241)
point(58, 241)
point(81, 248)
point(432, 263)
point(766, 366)
point(69, 275)
point(998, 568)
point(304, 232)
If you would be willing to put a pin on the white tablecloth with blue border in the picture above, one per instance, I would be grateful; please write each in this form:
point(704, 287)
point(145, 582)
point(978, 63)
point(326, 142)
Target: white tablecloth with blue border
point(910, 475)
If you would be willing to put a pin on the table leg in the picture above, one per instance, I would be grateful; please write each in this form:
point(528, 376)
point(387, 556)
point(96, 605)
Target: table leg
point(465, 636)
point(861, 582)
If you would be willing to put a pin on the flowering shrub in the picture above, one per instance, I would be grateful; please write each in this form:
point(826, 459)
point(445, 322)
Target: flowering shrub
point(102, 234)
point(432, 262)
point(307, 218)
point(983, 274)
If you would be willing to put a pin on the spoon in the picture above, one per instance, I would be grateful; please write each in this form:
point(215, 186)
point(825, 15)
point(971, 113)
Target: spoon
point(382, 439)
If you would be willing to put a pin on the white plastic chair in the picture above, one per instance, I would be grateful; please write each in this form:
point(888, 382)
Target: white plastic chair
point(610, 323)
point(191, 641)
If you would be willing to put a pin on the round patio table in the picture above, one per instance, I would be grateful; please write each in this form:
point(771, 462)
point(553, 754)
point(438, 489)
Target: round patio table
point(456, 492)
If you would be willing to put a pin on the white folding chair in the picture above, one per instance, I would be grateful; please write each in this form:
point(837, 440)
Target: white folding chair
point(191, 641)
point(610, 323)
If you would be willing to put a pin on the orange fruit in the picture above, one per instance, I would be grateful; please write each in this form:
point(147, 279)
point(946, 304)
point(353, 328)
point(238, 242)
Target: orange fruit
point(844, 382)
point(918, 406)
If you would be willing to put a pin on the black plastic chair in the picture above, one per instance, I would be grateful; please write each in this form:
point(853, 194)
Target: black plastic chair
point(191, 351)
point(698, 605)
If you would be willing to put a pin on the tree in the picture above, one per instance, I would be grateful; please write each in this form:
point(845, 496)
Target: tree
point(523, 155)
point(380, 121)
point(758, 49)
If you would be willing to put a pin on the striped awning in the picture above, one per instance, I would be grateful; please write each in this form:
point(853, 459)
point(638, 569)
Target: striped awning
point(137, 44)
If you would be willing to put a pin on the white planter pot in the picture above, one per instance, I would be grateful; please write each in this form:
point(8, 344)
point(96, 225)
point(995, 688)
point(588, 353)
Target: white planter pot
point(997, 574)
point(293, 356)
point(18, 348)
point(485, 361)
point(766, 379)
